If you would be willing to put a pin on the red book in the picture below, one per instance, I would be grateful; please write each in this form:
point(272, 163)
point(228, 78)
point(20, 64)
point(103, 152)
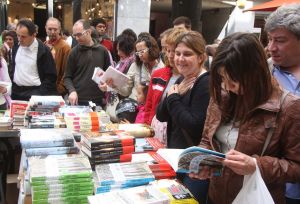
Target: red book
point(17, 106)
point(97, 140)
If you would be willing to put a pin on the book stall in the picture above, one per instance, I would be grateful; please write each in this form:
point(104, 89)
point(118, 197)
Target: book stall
point(72, 154)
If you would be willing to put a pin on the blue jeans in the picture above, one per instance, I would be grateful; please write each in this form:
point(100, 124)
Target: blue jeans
point(199, 188)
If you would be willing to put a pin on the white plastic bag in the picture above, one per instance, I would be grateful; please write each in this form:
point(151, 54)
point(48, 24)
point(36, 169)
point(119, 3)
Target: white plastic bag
point(254, 190)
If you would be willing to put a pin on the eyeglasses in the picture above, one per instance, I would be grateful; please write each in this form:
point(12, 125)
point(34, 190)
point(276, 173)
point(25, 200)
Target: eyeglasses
point(141, 52)
point(78, 35)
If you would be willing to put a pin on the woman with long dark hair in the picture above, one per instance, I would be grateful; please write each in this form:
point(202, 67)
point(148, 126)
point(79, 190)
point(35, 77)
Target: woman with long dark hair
point(247, 107)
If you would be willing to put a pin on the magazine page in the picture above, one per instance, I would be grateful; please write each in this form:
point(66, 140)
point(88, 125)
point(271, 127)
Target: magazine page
point(192, 159)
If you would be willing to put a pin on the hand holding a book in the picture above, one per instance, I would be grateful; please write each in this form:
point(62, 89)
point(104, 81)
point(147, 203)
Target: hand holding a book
point(3, 89)
point(240, 163)
point(103, 86)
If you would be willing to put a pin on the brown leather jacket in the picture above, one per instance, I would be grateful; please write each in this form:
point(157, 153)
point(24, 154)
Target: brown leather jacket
point(281, 160)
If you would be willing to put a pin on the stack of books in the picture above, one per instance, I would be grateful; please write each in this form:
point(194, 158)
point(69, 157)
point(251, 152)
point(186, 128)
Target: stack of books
point(160, 168)
point(107, 147)
point(116, 176)
point(60, 179)
point(91, 121)
point(5, 121)
point(147, 144)
point(74, 109)
point(17, 112)
point(42, 112)
point(158, 192)
point(37, 142)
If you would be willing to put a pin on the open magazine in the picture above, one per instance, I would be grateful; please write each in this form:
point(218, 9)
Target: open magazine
point(119, 79)
point(193, 158)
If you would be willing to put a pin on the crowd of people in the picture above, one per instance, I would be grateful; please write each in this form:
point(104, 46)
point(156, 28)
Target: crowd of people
point(228, 97)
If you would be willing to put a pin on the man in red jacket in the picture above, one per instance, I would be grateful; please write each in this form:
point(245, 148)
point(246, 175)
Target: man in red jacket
point(100, 25)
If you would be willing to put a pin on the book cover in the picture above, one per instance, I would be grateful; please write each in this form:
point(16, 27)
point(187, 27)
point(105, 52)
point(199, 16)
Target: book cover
point(193, 158)
point(39, 138)
point(107, 152)
point(119, 79)
point(137, 195)
point(96, 139)
point(147, 144)
point(121, 173)
point(112, 159)
point(97, 75)
point(51, 151)
point(175, 191)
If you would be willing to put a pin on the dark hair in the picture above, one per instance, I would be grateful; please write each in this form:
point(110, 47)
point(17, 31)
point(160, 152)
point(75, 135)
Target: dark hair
point(66, 33)
point(94, 33)
point(126, 44)
point(10, 33)
point(96, 21)
point(31, 27)
point(244, 61)
point(151, 44)
point(183, 20)
point(130, 33)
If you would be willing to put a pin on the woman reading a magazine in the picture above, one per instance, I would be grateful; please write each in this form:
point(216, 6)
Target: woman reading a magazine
point(184, 107)
point(246, 106)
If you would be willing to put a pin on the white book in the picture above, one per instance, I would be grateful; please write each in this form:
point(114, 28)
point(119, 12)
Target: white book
point(119, 79)
point(171, 156)
point(98, 73)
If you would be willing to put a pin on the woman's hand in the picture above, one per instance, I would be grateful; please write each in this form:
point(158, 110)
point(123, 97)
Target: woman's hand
point(110, 83)
point(240, 163)
point(185, 85)
point(173, 89)
point(3, 90)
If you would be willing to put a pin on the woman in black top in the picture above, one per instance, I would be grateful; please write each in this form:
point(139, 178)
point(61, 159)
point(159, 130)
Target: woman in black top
point(185, 105)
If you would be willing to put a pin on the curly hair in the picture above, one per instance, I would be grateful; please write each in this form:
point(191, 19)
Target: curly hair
point(287, 16)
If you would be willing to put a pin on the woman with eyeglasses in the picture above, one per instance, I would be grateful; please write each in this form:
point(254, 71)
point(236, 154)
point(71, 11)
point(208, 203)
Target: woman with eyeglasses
point(146, 61)
point(125, 51)
point(184, 107)
point(251, 120)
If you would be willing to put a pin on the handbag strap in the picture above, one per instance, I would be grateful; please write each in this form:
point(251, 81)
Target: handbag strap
point(271, 130)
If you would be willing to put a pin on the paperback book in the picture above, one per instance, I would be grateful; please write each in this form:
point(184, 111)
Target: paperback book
point(97, 140)
point(107, 152)
point(123, 173)
point(119, 79)
point(39, 138)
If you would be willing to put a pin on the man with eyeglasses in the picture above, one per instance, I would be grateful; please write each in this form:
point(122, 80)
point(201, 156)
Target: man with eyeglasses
point(60, 51)
point(33, 67)
point(82, 61)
